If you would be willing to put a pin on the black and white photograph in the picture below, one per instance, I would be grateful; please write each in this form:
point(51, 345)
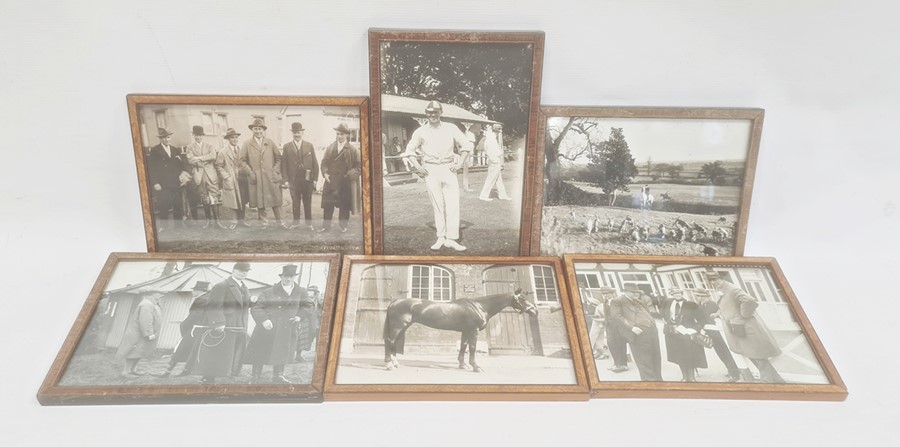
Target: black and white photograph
point(688, 322)
point(165, 323)
point(454, 113)
point(648, 181)
point(434, 323)
point(260, 175)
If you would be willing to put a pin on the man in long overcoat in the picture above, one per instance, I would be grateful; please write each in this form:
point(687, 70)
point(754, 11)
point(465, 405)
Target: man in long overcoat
point(632, 318)
point(274, 338)
point(744, 331)
point(141, 333)
point(300, 169)
point(222, 338)
point(262, 156)
point(165, 163)
point(682, 320)
point(341, 168)
point(233, 173)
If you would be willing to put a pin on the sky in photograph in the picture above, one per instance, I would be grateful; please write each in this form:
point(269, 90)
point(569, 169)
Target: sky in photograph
point(667, 140)
point(136, 272)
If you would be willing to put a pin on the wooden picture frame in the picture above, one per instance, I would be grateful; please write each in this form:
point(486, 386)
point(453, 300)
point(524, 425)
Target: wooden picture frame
point(209, 206)
point(702, 180)
point(501, 73)
point(87, 369)
point(541, 363)
point(752, 295)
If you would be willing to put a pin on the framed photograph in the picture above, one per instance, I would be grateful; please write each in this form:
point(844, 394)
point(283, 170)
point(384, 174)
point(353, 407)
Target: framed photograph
point(696, 327)
point(253, 174)
point(645, 181)
point(454, 125)
point(454, 328)
point(195, 328)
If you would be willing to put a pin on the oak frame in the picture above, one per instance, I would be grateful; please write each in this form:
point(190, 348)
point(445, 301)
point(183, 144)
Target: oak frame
point(755, 115)
point(454, 392)
point(360, 102)
point(835, 390)
point(51, 393)
point(376, 37)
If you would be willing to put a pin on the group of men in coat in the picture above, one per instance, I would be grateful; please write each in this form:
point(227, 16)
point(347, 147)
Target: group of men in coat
point(252, 175)
point(729, 325)
point(215, 340)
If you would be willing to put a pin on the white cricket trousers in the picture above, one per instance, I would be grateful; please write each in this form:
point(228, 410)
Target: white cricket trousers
point(443, 190)
point(493, 177)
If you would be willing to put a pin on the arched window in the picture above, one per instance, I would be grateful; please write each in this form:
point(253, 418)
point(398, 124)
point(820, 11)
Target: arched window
point(430, 282)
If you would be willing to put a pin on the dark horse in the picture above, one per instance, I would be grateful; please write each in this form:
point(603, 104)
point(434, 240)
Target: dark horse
point(465, 315)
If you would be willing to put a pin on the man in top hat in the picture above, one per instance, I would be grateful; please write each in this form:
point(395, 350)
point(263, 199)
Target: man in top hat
point(165, 163)
point(494, 153)
point(221, 338)
point(631, 314)
point(744, 331)
point(276, 314)
point(436, 141)
point(300, 170)
point(233, 173)
point(264, 159)
point(194, 317)
point(202, 158)
point(341, 169)
point(681, 321)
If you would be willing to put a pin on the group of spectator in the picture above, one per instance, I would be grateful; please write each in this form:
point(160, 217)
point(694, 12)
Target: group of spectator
point(252, 175)
point(215, 340)
point(724, 319)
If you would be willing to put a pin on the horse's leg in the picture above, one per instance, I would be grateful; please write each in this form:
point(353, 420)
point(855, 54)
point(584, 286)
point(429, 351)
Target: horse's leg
point(400, 340)
point(473, 341)
point(462, 350)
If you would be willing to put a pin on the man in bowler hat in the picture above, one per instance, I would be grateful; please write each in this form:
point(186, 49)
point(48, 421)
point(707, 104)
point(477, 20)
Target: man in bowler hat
point(276, 314)
point(300, 171)
point(631, 314)
point(233, 173)
point(341, 169)
point(165, 163)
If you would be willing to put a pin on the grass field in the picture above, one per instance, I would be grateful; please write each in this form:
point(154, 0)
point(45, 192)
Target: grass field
point(102, 369)
point(719, 206)
point(486, 228)
point(192, 238)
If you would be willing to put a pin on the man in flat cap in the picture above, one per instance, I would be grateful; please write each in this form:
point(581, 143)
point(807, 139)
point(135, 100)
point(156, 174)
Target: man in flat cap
point(300, 170)
point(745, 332)
point(437, 141)
point(276, 314)
point(264, 159)
point(221, 339)
point(233, 173)
point(202, 158)
point(165, 163)
point(341, 168)
point(494, 153)
point(631, 314)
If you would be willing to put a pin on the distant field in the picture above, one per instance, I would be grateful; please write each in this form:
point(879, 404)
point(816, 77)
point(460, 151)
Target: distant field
point(686, 194)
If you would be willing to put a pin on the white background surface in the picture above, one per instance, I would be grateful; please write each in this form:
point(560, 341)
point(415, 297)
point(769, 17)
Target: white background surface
point(824, 204)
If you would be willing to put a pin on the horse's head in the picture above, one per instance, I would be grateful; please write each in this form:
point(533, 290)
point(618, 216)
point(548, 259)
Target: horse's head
point(521, 304)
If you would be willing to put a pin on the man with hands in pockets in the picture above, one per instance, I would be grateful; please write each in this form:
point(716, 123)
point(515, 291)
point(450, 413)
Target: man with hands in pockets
point(436, 142)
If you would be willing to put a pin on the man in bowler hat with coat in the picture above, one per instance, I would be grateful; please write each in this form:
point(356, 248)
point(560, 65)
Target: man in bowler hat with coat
point(300, 171)
point(276, 314)
point(165, 163)
point(341, 169)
